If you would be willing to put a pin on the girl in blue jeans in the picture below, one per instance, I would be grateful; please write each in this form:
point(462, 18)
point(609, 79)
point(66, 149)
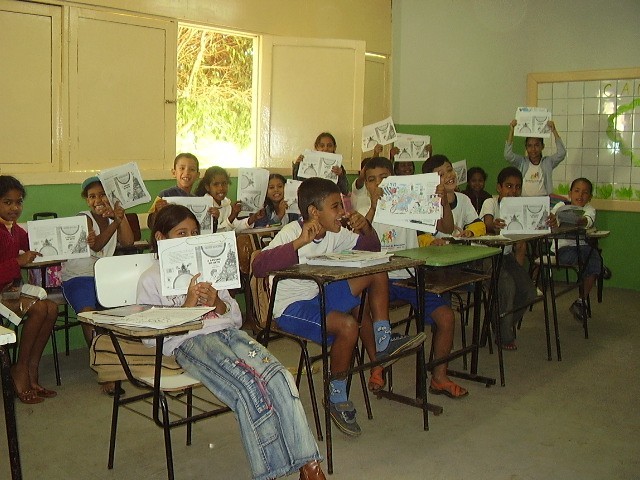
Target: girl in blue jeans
point(235, 368)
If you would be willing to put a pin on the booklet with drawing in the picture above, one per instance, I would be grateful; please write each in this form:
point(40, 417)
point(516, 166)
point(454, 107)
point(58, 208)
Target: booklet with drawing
point(350, 258)
point(570, 215)
point(152, 317)
point(525, 215)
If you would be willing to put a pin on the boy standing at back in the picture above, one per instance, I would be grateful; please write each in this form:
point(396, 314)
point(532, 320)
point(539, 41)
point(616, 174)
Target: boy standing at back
point(186, 170)
point(436, 308)
point(297, 303)
point(515, 287)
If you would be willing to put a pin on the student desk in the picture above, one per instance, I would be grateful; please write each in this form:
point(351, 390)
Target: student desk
point(323, 275)
point(436, 281)
point(8, 337)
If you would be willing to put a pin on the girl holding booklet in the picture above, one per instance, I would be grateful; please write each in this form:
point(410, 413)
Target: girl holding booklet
point(275, 206)
point(41, 314)
point(237, 369)
point(326, 142)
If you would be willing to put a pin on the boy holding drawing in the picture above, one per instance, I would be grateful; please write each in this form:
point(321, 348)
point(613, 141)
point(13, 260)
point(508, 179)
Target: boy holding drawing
point(297, 303)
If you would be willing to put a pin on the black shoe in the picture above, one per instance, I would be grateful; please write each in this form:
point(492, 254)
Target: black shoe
point(578, 310)
point(606, 273)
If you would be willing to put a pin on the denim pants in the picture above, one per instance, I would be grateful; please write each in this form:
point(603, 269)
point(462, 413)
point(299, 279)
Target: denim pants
point(515, 288)
point(262, 394)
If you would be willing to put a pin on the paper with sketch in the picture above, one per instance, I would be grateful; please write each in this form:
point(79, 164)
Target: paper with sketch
point(154, 317)
point(124, 184)
point(214, 256)
point(413, 148)
point(461, 171)
point(319, 164)
point(383, 133)
point(410, 201)
point(350, 258)
point(570, 215)
point(291, 196)
point(525, 214)
point(532, 122)
point(252, 189)
point(59, 238)
point(199, 206)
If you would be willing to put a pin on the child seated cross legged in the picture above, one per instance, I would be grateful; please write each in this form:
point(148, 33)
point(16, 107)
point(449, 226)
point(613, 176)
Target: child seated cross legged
point(297, 303)
point(515, 287)
point(436, 307)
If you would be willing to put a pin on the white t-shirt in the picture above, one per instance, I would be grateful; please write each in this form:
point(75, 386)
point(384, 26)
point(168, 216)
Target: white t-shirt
point(589, 213)
point(223, 220)
point(360, 198)
point(290, 291)
point(463, 214)
point(491, 207)
point(533, 182)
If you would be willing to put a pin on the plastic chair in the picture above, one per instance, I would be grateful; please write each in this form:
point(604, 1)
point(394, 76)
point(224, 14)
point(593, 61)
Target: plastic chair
point(116, 285)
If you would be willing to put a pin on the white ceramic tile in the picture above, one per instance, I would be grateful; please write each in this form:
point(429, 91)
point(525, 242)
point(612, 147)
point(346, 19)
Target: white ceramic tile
point(622, 159)
point(575, 89)
point(546, 103)
point(560, 90)
point(622, 175)
point(592, 88)
point(608, 88)
point(590, 156)
point(574, 123)
point(591, 123)
point(607, 105)
point(560, 106)
point(591, 106)
point(635, 175)
point(626, 138)
point(636, 121)
point(605, 174)
point(605, 157)
point(545, 91)
point(625, 89)
point(560, 121)
point(623, 122)
point(604, 142)
point(559, 174)
point(573, 140)
point(587, 172)
point(635, 140)
point(636, 191)
point(604, 122)
point(574, 106)
point(573, 171)
point(590, 139)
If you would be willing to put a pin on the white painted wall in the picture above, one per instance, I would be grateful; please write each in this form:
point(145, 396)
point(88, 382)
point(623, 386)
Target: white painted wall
point(465, 62)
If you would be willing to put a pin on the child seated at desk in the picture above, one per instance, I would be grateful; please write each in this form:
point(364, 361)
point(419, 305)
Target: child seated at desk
point(237, 369)
point(297, 303)
point(275, 206)
point(436, 307)
point(515, 286)
point(568, 252)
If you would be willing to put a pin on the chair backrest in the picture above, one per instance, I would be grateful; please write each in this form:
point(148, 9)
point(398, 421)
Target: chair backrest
point(260, 295)
point(248, 243)
point(117, 278)
point(43, 215)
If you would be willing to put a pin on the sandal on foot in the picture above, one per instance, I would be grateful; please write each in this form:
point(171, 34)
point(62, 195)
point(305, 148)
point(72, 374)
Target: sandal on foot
point(511, 346)
point(28, 396)
point(109, 388)
point(44, 392)
point(376, 379)
point(448, 388)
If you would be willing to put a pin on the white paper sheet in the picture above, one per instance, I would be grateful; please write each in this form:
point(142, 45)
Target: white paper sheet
point(413, 148)
point(383, 133)
point(200, 207)
point(59, 238)
point(461, 171)
point(319, 164)
point(252, 189)
point(214, 256)
point(291, 196)
point(156, 317)
point(532, 122)
point(124, 183)
point(525, 214)
point(410, 201)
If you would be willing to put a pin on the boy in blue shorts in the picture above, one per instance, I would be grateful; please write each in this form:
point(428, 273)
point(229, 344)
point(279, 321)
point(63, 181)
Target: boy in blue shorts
point(436, 308)
point(297, 304)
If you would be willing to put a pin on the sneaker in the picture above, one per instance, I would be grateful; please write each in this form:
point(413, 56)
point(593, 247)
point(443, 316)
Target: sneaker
point(578, 311)
point(400, 343)
point(343, 415)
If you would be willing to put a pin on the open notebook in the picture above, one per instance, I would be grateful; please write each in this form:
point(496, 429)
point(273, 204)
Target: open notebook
point(146, 316)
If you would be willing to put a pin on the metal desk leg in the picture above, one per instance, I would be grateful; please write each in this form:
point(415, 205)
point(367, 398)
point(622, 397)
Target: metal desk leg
point(10, 414)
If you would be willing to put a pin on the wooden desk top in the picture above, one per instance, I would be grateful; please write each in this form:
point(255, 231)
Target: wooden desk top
point(88, 317)
point(331, 274)
point(42, 264)
point(440, 281)
point(447, 255)
point(7, 336)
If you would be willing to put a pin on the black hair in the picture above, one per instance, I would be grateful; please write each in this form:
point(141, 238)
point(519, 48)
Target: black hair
point(537, 138)
point(433, 162)
point(267, 201)
point(473, 170)
point(325, 134)
point(167, 218)
point(85, 190)
point(379, 162)
point(8, 183)
point(364, 162)
point(584, 180)
point(509, 172)
point(190, 156)
point(209, 173)
point(396, 165)
point(313, 191)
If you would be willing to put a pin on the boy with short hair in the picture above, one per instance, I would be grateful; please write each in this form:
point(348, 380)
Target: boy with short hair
point(186, 170)
point(515, 286)
point(297, 304)
point(436, 308)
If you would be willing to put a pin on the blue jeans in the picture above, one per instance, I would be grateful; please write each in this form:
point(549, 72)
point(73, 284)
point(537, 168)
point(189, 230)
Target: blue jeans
point(262, 394)
point(569, 256)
